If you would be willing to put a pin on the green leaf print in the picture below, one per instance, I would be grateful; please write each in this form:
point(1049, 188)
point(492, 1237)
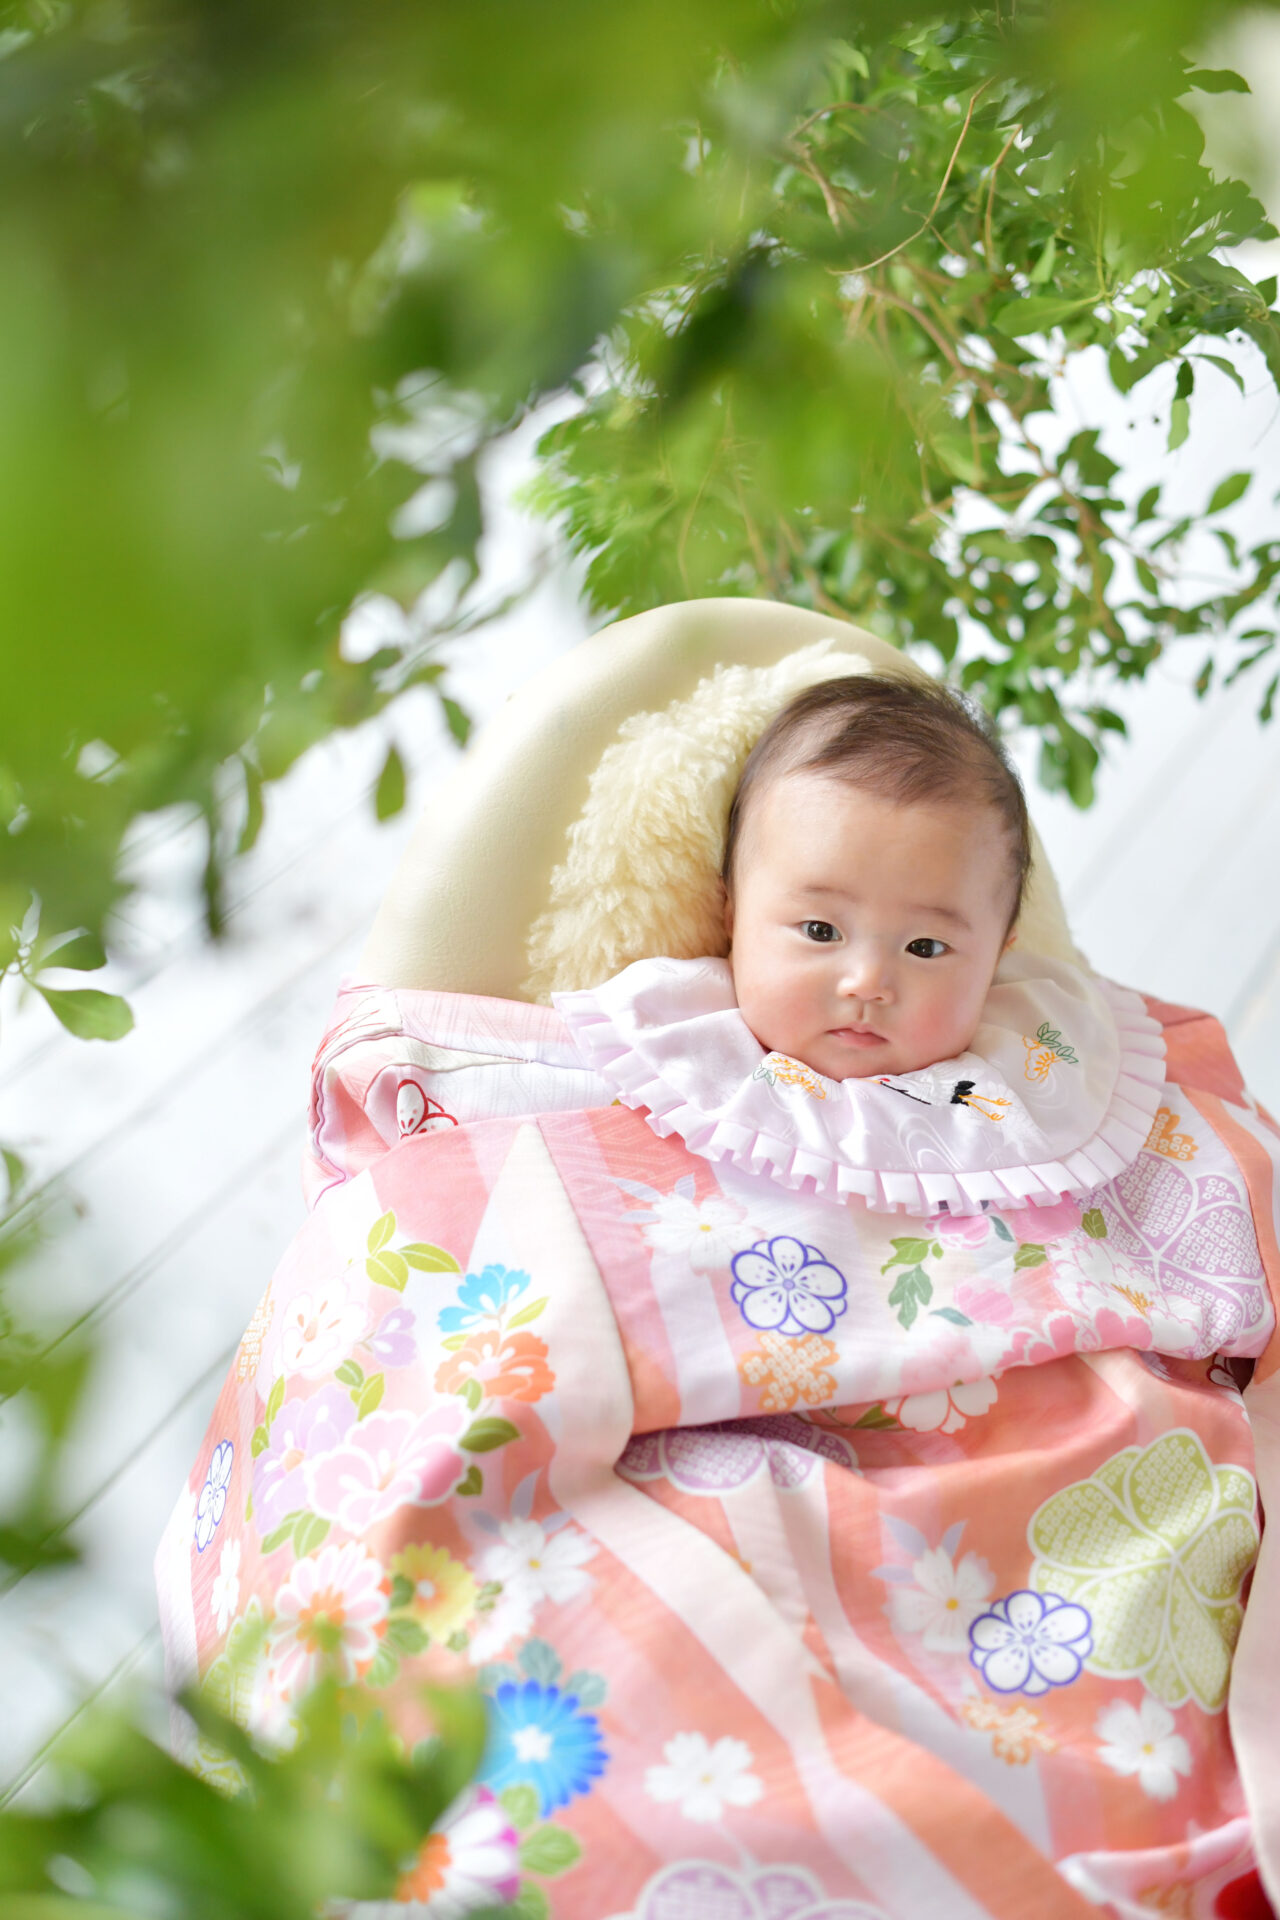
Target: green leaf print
point(385, 1668)
point(1029, 1255)
point(530, 1903)
point(349, 1374)
point(380, 1232)
point(273, 1541)
point(387, 1270)
point(472, 1482)
point(911, 1291)
point(260, 1442)
point(906, 1253)
point(549, 1850)
point(275, 1400)
point(310, 1533)
point(520, 1804)
point(953, 1314)
point(482, 1436)
point(428, 1259)
point(540, 1661)
point(1094, 1224)
point(370, 1395)
point(402, 1591)
point(407, 1636)
point(526, 1314)
point(875, 1418)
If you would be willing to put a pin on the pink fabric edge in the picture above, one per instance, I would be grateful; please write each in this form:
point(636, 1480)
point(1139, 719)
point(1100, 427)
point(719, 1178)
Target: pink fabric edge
point(1115, 1144)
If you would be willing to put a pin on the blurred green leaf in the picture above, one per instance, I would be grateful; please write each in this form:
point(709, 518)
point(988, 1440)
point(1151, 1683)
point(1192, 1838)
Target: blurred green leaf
point(389, 794)
point(89, 1013)
point(1228, 491)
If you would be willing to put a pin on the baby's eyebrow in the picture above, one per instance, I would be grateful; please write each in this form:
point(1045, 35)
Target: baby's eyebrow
point(944, 913)
point(956, 918)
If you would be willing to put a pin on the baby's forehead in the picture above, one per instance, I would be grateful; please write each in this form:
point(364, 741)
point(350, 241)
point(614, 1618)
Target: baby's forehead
point(808, 826)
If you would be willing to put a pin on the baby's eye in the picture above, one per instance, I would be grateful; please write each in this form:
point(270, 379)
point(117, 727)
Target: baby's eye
point(821, 931)
point(927, 949)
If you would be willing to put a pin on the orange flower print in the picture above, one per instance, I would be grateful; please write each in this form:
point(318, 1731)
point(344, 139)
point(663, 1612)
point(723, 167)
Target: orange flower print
point(788, 1370)
point(1016, 1732)
point(509, 1366)
point(427, 1874)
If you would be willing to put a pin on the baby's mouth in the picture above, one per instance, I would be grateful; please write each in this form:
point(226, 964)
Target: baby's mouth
point(858, 1036)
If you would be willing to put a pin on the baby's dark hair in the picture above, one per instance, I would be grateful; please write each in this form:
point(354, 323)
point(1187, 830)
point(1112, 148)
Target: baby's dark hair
point(909, 741)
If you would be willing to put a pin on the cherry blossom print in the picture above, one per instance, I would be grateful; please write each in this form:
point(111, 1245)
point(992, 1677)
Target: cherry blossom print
point(1143, 1743)
point(318, 1331)
point(536, 1563)
point(702, 1778)
point(707, 1233)
point(788, 1287)
point(213, 1494)
point(1030, 1642)
point(943, 1600)
point(388, 1461)
point(509, 1366)
point(224, 1595)
point(330, 1616)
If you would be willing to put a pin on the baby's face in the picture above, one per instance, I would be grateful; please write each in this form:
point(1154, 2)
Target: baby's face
point(865, 935)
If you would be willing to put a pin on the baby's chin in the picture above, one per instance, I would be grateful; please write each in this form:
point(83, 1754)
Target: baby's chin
point(889, 1060)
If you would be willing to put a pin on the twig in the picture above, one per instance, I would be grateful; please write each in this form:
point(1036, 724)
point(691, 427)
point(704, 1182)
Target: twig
point(836, 106)
point(937, 198)
point(988, 244)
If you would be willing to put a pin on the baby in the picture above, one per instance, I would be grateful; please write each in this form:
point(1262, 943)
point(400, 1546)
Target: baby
point(875, 861)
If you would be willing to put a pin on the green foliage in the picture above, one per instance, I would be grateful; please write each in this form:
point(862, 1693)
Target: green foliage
point(845, 396)
point(270, 283)
point(335, 1819)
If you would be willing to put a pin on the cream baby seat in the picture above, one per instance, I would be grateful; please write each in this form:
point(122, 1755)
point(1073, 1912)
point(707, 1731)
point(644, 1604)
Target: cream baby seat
point(583, 828)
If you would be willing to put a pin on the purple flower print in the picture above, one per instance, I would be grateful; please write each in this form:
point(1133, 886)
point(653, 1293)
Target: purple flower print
point(302, 1430)
point(392, 1343)
point(1030, 1642)
point(788, 1287)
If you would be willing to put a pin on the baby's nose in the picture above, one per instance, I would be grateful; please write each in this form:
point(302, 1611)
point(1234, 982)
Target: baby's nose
point(867, 976)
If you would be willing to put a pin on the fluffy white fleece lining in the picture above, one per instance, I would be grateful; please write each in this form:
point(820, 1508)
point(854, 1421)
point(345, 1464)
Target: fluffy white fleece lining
point(641, 876)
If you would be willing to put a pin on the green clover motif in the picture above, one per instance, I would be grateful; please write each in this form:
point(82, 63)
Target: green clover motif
point(1156, 1544)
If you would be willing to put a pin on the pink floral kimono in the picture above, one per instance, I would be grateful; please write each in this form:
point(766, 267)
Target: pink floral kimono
point(842, 1492)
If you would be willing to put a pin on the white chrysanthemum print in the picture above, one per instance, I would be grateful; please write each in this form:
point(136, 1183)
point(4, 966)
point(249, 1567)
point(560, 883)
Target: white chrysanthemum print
point(946, 1599)
point(535, 1564)
point(1143, 1741)
point(224, 1595)
point(702, 1779)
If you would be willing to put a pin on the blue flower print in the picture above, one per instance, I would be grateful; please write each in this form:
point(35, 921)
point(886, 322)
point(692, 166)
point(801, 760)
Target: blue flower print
point(787, 1287)
point(539, 1734)
point(1030, 1642)
point(213, 1494)
point(481, 1295)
